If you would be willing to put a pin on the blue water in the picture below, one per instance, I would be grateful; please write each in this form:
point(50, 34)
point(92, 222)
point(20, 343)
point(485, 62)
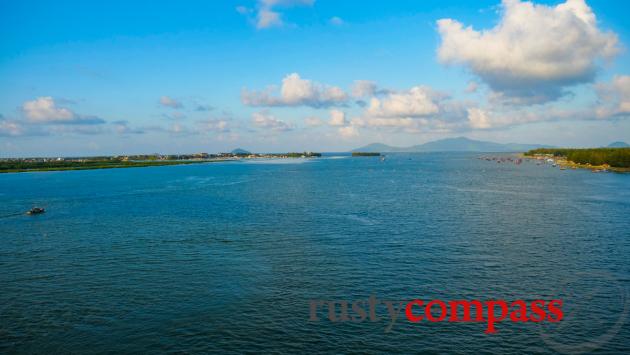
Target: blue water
point(224, 257)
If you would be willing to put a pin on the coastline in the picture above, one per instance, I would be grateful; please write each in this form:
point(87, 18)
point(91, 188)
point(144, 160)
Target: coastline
point(24, 165)
point(117, 165)
point(568, 164)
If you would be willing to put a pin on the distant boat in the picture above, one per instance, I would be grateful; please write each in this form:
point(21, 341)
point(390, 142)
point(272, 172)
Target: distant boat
point(36, 210)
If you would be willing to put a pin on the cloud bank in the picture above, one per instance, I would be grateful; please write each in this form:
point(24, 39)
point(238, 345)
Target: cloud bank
point(265, 120)
point(296, 91)
point(534, 53)
point(44, 110)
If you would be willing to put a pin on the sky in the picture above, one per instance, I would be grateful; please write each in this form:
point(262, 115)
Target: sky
point(134, 77)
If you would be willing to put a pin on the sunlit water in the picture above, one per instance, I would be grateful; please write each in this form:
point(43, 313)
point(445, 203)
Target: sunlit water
point(226, 256)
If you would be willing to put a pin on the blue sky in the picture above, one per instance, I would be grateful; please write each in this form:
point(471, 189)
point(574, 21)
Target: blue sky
point(85, 78)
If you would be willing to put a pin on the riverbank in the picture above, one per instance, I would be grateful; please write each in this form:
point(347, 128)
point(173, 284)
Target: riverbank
point(92, 165)
point(20, 165)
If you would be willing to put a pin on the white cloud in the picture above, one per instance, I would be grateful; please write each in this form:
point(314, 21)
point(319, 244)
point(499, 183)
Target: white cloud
point(336, 21)
point(534, 52)
point(170, 102)
point(214, 125)
point(478, 118)
point(398, 122)
point(495, 117)
point(363, 88)
point(44, 110)
point(122, 127)
point(337, 118)
point(348, 132)
point(313, 121)
point(10, 128)
point(418, 101)
point(614, 97)
point(266, 120)
point(267, 14)
point(296, 91)
point(417, 109)
point(268, 18)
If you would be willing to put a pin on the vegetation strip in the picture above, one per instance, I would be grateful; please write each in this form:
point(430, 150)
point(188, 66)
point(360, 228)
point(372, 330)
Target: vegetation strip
point(614, 159)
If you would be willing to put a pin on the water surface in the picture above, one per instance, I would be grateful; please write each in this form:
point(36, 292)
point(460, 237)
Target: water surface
point(226, 256)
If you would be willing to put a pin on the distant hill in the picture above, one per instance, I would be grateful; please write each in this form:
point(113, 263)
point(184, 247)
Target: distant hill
point(459, 144)
point(240, 151)
point(618, 145)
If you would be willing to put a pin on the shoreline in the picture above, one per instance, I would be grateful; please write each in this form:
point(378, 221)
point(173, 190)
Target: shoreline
point(27, 165)
point(568, 164)
point(114, 166)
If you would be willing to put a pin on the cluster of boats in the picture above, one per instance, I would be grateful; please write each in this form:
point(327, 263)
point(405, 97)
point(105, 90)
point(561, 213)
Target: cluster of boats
point(499, 160)
point(544, 160)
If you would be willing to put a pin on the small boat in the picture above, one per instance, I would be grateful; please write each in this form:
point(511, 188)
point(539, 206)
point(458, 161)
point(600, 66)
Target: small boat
point(36, 210)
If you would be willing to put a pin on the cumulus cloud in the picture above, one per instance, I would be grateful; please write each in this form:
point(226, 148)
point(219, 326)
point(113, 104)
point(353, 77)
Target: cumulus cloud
point(534, 53)
point(614, 97)
point(44, 110)
point(168, 101)
point(296, 91)
point(363, 88)
point(266, 13)
point(266, 120)
point(418, 101)
point(337, 118)
point(478, 118)
point(348, 132)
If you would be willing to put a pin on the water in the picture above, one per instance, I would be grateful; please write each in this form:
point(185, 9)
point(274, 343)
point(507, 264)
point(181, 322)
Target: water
point(226, 256)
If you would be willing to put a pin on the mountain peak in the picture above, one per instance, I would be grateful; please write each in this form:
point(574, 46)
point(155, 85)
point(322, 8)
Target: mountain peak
point(240, 151)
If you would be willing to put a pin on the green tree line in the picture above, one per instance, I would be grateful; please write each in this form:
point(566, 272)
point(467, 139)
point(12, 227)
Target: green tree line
point(615, 157)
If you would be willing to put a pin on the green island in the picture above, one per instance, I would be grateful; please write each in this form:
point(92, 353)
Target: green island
point(365, 154)
point(596, 159)
point(17, 165)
